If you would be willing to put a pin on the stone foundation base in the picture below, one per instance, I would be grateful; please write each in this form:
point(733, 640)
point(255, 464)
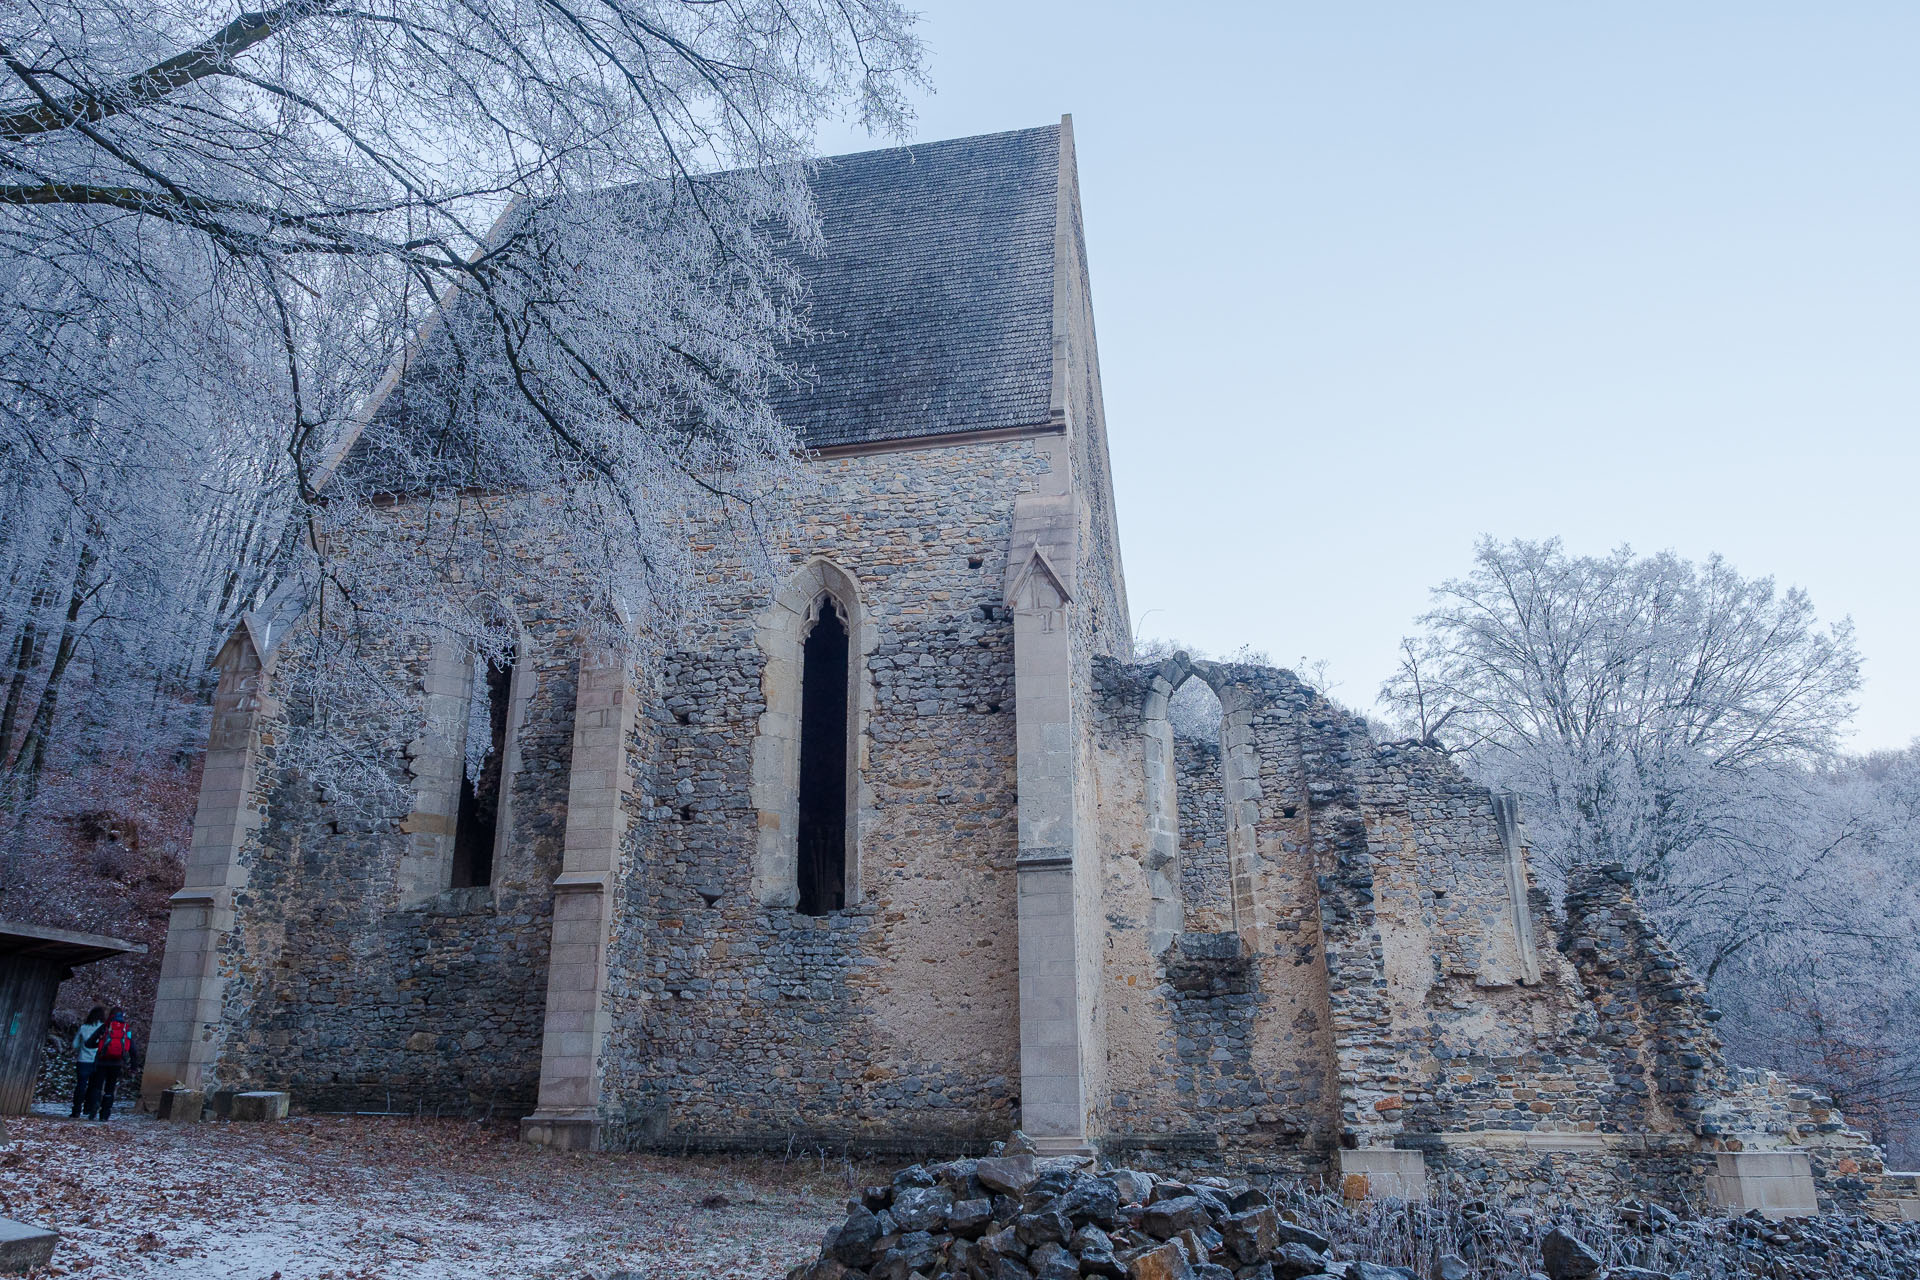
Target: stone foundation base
point(182, 1106)
point(561, 1132)
point(259, 1105)
point(1383, 1173)
point(1061, 1146)
point(1777, 1183)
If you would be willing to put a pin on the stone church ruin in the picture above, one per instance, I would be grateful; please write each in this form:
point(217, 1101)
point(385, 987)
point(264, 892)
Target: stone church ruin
point(905, 852)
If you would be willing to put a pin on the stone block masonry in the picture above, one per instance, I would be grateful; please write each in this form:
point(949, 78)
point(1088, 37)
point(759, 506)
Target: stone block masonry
point(1303, 952)
point(891, 1022)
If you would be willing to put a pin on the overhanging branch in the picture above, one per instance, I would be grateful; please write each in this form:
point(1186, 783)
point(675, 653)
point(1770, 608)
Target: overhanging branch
point(211, 57)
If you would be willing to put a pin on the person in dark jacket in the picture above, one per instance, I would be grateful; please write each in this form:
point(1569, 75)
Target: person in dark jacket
point(85, 1049)
point(113, 1053)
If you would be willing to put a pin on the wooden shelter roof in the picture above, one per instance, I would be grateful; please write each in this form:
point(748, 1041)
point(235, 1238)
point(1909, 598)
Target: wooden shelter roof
point(37, 942)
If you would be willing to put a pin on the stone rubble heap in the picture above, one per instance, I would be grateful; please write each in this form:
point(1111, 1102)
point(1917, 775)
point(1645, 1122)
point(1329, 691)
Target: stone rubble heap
point(1015, 1216)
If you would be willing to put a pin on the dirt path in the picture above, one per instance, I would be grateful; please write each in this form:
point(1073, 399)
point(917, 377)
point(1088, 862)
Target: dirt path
point(334, 1198)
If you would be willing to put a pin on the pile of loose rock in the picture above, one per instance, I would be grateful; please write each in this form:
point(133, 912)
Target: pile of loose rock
point(1016, 1217)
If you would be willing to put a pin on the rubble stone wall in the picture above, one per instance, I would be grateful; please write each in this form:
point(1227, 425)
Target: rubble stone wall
point(1219, 1050)
point(1669, 1067)
point(1205, 886)
point(894, 1021)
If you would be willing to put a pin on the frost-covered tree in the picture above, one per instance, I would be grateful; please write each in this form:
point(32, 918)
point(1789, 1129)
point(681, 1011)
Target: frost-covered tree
point(1807, 927)
point(1632, 699)
point(218, 234)
point(1683, 721)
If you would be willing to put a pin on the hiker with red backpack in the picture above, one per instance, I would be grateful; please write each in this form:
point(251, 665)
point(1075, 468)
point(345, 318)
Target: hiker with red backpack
point(113, 1049)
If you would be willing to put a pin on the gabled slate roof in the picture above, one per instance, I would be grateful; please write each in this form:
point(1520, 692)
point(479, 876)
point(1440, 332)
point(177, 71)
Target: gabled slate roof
point(929, 311)
point(932, 305)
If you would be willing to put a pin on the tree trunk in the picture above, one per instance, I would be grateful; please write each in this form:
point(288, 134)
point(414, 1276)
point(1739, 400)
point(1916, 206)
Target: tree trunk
point(26, 655)
point(32, 758)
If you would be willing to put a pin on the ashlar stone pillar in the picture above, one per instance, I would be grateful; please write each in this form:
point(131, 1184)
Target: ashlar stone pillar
point(1039, 592)
point(577, 1019)
point(188, 1004)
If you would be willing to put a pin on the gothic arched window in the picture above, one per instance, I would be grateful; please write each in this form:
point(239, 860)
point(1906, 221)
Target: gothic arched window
point(477, 827)
point(475, 688)
point(809, 750)
point(823, 762)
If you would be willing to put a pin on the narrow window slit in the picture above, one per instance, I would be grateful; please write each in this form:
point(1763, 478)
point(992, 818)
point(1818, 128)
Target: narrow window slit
point(823, 763)
point(478, 827)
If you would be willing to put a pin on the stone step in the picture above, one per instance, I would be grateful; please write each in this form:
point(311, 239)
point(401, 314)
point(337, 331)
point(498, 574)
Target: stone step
point(24, 1246)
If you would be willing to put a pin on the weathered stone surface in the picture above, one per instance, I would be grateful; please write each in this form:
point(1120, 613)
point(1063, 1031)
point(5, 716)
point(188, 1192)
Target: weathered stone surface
point(1004, 1243)
point(914, 1251)
point(853, 1243)
point(1167, 1218)
point(1131, 1186)
point(1292, 1260)
point(1451, 1267)
point(260, 1105)
point(1052, 1262)
point(1010, 1175)
point(921, 1208)
point(1094, 1248)
point(1252, 1235)
point(1244, 1198)
point(1167, 1261)
point(1202, 1242)
point(1293, 1233)
point(1092, 1200)
point(1566, 1256)
point(24, 1246)
point(1375, 1271)
point(824, 1269)
point(182, 1106)
point(1045, 1226)
point(914, 1175)
point(969, 1218)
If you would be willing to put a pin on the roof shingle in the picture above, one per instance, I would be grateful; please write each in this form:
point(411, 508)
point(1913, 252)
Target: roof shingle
point(932, 304)
point(929, 311)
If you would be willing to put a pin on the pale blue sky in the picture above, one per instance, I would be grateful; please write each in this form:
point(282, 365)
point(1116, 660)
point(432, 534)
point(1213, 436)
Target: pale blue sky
point(1374, 279)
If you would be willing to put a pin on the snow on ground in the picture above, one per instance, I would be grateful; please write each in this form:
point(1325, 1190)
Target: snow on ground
point(355, 1198)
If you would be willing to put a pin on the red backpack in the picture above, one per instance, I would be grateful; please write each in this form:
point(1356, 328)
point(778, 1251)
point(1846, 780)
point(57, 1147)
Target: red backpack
point(114, 1046)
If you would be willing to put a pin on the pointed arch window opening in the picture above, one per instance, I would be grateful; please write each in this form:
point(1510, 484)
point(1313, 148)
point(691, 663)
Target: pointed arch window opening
point(824, 785)
point(477, 826)
point(1200, 758)
point(1237, 769)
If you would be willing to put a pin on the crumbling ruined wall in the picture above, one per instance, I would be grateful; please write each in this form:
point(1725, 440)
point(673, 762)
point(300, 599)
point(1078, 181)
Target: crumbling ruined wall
point(894, 1022)
point(1385, 983)
point(353, 993)
point(1655, 1026)
point(1219, 1044)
